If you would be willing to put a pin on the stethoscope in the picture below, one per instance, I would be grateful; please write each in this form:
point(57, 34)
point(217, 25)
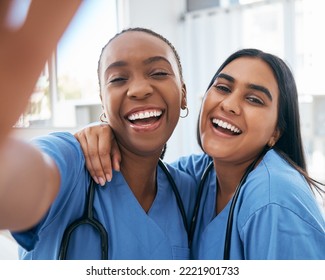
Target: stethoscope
point(88, 217)
point(227, 242)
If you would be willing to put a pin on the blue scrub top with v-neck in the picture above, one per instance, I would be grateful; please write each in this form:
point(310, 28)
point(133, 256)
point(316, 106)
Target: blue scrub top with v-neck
point(132, 233)
point(276, 215)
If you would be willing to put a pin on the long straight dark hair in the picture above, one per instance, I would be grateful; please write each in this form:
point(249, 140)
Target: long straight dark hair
point(289, 145)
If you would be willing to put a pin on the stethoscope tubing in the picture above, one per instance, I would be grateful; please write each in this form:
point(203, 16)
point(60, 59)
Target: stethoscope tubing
point(198, 202)
point(227, 242)
point(88, 217)
point(179, 201)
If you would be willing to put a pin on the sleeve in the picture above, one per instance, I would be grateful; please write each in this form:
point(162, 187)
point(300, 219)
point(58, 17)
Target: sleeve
point(275, 232)
point(64, 149)
point(194, 165)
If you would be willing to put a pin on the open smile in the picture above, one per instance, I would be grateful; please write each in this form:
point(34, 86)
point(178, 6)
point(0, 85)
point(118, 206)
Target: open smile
point(225, 127)
point(144, 115)
point(148, 119)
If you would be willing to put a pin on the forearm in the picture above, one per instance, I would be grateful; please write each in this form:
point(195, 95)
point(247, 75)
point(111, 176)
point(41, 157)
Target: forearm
point(29, 182)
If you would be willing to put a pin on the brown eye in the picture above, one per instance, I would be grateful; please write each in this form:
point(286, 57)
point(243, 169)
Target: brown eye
point(222, 88)
point(159, 74)
point(255, 100)
point(117, 80)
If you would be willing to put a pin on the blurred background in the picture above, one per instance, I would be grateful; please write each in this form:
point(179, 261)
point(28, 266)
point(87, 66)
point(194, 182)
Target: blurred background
point(204, 32)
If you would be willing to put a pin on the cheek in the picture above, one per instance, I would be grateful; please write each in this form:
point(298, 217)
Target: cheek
point(263, 127)
point(272, 118)
point(174, 101)
point(210, 100)
point(208, 104)
point(111, 106)
point(204, 121)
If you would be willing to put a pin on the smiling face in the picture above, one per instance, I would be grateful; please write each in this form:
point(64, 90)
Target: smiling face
point(141, 90)
point(239, 112)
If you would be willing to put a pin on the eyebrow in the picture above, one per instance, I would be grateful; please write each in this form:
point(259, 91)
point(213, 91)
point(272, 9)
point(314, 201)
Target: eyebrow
point(156, 58)
point(251, 86)
point(116, 64)
point(262, 89)
point(225, 76)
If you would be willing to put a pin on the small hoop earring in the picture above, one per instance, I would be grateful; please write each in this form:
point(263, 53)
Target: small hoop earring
point(186, 113)
point(102, 117)
point(271, 144)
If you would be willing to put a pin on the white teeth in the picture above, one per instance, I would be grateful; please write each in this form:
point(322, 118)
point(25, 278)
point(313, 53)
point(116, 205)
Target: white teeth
point(144, 115)
point(226, 125)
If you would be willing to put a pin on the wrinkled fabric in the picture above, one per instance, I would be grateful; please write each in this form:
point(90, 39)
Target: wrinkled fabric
point(132, 233)
point(276, 215)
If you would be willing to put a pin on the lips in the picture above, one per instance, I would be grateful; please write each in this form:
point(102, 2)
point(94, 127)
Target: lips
point(144, 115)
point(145, 119)
point(226, 127)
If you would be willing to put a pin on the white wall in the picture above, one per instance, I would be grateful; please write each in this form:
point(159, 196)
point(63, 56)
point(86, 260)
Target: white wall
point(8, 247)
point(161, 16)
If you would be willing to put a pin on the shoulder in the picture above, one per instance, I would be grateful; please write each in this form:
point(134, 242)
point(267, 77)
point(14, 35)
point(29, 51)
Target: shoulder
point(194, 165)
point(279, 178)
point(63, 147)
point(275, 175)
point(67, 154)
point(275, 184)
point(194, 160)
point(56, 140)
point(184, 182)
point(178, 175)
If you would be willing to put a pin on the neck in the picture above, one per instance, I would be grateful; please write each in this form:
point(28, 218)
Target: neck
point(229, 175)
point(140, 174)
point(228, 178)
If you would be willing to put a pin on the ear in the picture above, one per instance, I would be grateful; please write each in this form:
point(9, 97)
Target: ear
point(101, 101)
point(184, 99)
point(274, 138)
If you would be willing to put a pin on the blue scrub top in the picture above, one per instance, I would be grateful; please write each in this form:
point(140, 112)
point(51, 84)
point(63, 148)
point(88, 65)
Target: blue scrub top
point(132, 233)
point(276, 215)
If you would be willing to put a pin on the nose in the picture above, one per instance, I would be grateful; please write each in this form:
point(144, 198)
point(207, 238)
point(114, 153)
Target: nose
point(139, 88)
point(231, 104)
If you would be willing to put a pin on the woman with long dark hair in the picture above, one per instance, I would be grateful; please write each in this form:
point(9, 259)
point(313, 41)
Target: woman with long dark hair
point(250, 119)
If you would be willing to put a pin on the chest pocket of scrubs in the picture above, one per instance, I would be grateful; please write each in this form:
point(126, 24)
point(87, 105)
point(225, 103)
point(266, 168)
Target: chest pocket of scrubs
point(181, 253)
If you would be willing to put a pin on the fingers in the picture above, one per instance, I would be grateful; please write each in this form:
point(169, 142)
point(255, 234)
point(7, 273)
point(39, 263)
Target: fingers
point(100, 150)
point(93, 158)
point(81, 137)
point(104, 154)
point(115, 156)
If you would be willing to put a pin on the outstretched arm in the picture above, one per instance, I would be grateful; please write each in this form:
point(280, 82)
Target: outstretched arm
point(29, 183)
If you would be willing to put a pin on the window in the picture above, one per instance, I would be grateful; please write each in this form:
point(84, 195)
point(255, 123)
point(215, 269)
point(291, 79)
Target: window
point(194, 5)
point(262, 27)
